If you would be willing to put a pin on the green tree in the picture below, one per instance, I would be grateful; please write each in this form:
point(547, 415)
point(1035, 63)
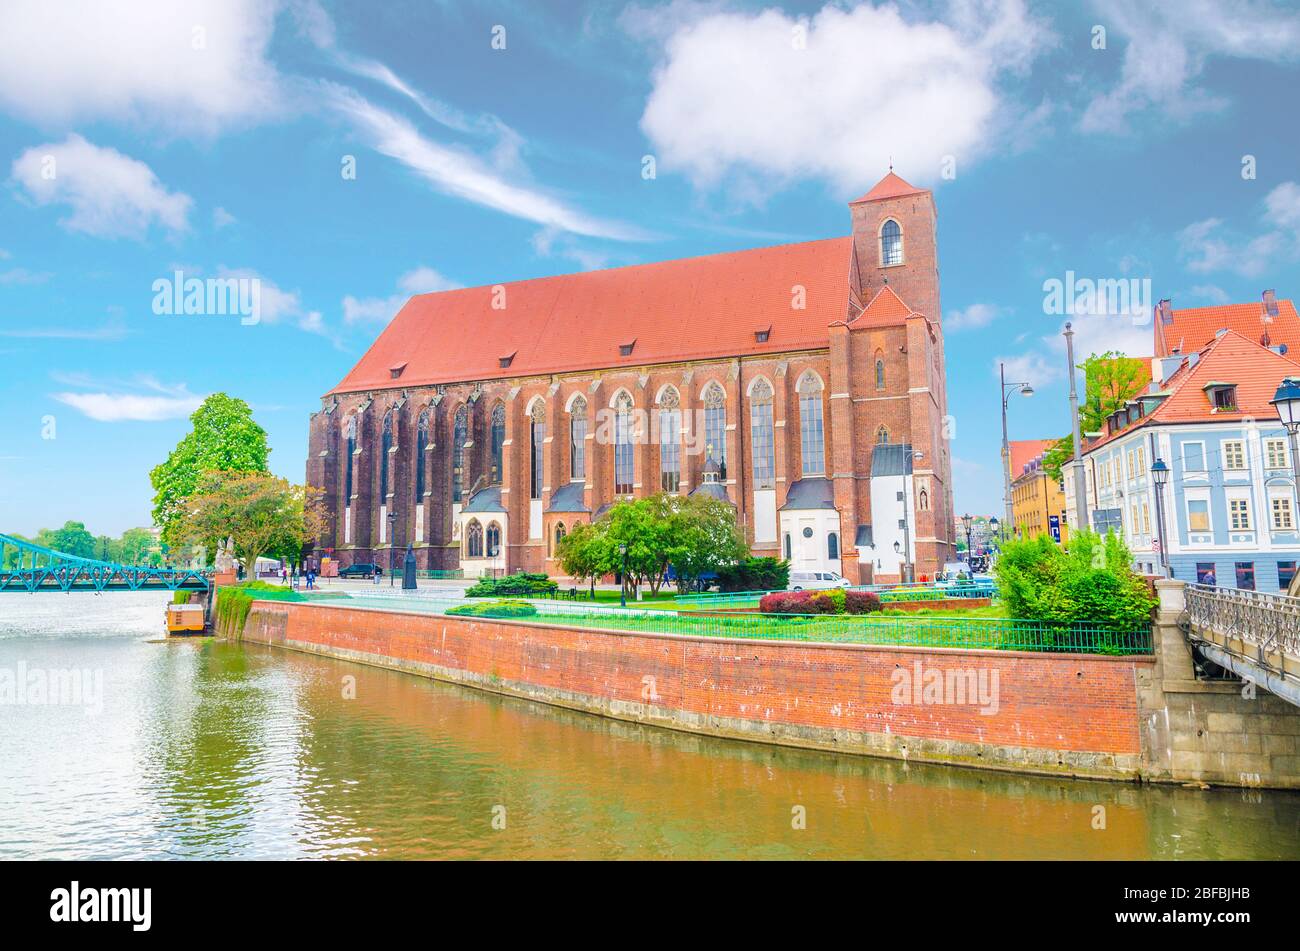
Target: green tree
point(703, 538)
point(71, 539)
point(581, 556)
point(1111, 379)
point(261, 513)
point(224, 439)
point(134, 546)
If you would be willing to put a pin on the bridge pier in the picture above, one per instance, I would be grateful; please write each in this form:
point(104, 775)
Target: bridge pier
point(1212, 731)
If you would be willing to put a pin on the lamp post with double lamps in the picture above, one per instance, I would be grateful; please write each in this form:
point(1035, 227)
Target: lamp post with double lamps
point(1160, 476)
point(1007, 389)
point(622, 587)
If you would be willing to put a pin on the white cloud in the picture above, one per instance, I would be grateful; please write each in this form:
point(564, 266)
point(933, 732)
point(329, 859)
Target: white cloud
point(112, 329)
point(1211, 292)
point(462, 174)
point(109, 194)
point(1034, 368)
point(1208, 245)
point(144, 399)
point(422, 280)
point(222, 218)
point(189, 66)
point(735, 99)
point(1168, 47)
point(278, 306)
point(972, 317)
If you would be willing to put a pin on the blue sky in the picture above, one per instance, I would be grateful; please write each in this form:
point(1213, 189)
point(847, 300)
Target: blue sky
point(211, 137)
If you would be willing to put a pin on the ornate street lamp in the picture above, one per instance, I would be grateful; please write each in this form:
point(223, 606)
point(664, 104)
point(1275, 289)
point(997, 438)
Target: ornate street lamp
point(1160, 476)
point(1287, 403)
point(966, 521)
point(622, 588)
point(1007, 389)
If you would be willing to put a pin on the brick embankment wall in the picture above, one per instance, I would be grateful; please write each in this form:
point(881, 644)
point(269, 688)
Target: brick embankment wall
point(1061, 714)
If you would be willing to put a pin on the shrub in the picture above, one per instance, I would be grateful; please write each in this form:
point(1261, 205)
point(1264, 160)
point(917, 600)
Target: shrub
point(502, 609)
point(234, 602)
point(754, 574)
point(785, 602)
point(861, 602)
point(523, 584)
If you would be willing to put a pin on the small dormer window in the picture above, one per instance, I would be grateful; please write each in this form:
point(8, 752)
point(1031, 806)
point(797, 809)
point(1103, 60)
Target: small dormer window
point(762, 336)
point(1222, 396)
point(395, 371)
point(507, 359)
point(625, 349)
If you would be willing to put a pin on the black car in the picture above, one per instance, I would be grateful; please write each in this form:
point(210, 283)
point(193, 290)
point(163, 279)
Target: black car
point(358, 571)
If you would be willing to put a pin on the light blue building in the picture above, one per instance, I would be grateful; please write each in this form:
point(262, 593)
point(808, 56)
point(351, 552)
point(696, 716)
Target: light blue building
point(1230, 509)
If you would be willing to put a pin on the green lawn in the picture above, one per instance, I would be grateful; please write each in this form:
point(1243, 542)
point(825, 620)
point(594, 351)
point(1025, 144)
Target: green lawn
point(664, 600)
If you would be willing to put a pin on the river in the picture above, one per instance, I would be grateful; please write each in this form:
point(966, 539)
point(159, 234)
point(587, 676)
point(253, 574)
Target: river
point(202, 749)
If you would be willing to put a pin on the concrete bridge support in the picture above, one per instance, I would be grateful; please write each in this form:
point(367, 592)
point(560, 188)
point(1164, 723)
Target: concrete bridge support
point(1212, 731)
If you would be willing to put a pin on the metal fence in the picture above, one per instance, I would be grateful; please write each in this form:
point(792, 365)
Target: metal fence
point(1270, 621)
point(910, 591)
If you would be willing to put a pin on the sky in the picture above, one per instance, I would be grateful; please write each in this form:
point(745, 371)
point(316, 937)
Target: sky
point(346, 156)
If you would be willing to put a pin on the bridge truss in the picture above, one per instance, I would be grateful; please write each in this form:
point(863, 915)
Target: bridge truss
point(36, 568)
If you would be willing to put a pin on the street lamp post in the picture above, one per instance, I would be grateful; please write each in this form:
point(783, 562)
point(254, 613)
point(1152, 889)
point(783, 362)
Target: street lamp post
point(966, 521)
point(1160, 476)
point(1007, 389)
point(392, 548)
point(1287, 403)
point(1080, 490)
point(622, 587)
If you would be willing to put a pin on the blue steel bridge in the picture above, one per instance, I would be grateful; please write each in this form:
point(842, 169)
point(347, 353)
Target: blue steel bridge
point(35, 568)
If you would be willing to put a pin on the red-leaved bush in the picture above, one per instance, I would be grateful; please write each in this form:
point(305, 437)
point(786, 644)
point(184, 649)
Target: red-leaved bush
point(835, 601)
point(861, 602)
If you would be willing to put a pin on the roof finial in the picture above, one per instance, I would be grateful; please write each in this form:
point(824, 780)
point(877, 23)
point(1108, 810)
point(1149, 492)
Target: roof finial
point(891, 163)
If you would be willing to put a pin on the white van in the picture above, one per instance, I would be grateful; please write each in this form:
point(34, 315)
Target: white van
point(816, 580)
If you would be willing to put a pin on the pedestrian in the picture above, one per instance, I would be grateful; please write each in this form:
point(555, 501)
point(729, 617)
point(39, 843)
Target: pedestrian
point(311, 579)
point(378, 573)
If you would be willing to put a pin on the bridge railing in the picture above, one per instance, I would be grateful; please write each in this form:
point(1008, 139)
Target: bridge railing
point(1269, 621)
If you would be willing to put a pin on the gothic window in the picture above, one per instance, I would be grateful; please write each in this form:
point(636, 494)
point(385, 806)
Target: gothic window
point(460, 436)
point(559, 537)
point(882, 435)
point(812, 436)
point(891, 244)
point(578, 440)
point(493, 540)
point(833, 546)
point(670, 441)
point(880, 370)
point(538, 430)
point(762, 435)
point(421, 444)
point(350, 434)
point(787, 546)
point(498, 440)
point(623, 449)
point(385, 452)
point(715, 427)
point(474, 540)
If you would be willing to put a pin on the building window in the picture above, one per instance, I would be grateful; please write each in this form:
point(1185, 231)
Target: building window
point(1234, 455)
point(538, 429)
point(715, 427)
point(762, 435)
point(386, 452)
point(1246, 575)
point(882, 435)
point(1239, 515)
point(1285, 573)
point(880, 372)
point(1205, 573)
point(1194, 456)
point(459, 436)
point(493, 540)
point(1275, 453)
point(812, 437)
point(1146, 517)
point(833, 546)
point(559, 537)
point(891, 244)
point(670, 441)
point(1224, 398)
point(578, 440)
point(421, 444)
point(474, 539)
point(787, 546)
point(1282, 520)
point(498, 441)
point(350, 435)
point(624, 466)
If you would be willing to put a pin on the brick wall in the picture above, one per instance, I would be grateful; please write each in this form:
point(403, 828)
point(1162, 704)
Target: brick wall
point(1068, 714)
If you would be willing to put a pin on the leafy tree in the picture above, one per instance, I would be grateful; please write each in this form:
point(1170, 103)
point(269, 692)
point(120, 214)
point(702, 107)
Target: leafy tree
point(1111, 379)
point(704, 539)
point(224, 439)
point(579, 555)
point(134, 545)
point(71, 539)
point(755, 574)
point(262, 513)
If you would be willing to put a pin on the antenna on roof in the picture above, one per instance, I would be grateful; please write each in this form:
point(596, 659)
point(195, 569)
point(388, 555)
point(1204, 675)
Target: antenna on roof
point(1270, 305)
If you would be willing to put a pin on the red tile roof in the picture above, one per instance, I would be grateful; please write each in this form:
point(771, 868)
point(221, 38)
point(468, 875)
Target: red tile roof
point(1024, 451)
point(885, 308)
point(891, 186)
point(687, 309)
point(1194, 327)
point(1253, 369)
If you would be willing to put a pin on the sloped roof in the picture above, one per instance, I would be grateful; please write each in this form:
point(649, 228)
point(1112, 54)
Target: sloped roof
point(804, 494)
point(485, 500)
point(715, 489)
point(891, 459)
point(1255, 371)
point(891, 186)
point(568, 498)
point(1025, 451)
point(885, 308)
point(687, 309)
point(1192, 328)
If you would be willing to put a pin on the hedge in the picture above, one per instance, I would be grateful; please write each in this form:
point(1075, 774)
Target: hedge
point(234, 602)
point(504, 609)
point(523, 584)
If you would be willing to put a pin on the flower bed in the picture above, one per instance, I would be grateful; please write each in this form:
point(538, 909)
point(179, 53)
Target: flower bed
point(834, 601)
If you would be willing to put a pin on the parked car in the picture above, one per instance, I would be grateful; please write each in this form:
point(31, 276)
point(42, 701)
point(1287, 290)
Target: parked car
point(953, 570)
point(816, 580)
point(360, 570)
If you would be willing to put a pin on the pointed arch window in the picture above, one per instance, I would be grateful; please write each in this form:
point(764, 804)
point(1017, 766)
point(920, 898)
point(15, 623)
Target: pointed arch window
point(350, 436)
point(559, 537)
point(891, 243)
point(474, 539)
point(762, 435)
point(880, 370)
point(498, 440)
point(833, 545)
point(578, 440)
point(670, 441)
point(882, 435)
point(459, 436)
point(812, 435)
point(493, 540)
point(537, 429)
point(624, 466)
point(421, 444)
point(385, 466)
point(715, 427)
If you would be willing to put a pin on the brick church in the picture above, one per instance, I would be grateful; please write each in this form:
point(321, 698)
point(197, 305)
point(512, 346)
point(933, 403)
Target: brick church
point(803, 383)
